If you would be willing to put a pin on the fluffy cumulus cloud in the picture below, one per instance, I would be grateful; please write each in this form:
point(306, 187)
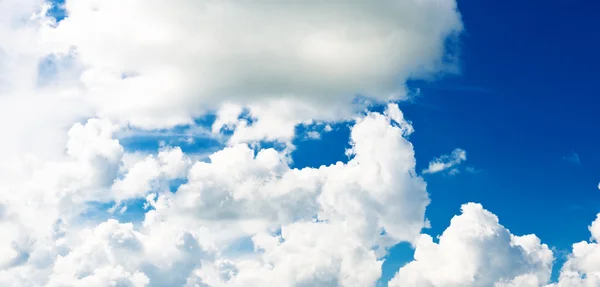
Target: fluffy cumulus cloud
point(198, 53)
point(475, 250)
point(311, 226)
point(324, 222)
point(145, 175)
point(244, 215)
point(583, 264)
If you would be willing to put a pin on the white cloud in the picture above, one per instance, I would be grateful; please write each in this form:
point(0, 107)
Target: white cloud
point(447, 161)
point(353, 203)
point(306, 254)
point(475, 250)
point(190, 55)
point(38, 207)
point(144, 175)
point(315, 135)
point(239, 184)
point(454, 171)
point(363, 207)
point(227, 116)
point(583, 264)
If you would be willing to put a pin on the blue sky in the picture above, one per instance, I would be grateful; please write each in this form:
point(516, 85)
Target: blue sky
point(525, 100)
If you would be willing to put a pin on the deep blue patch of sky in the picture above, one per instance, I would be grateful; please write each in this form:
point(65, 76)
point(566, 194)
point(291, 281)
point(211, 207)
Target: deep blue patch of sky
point(328, 149)
point(57, 10)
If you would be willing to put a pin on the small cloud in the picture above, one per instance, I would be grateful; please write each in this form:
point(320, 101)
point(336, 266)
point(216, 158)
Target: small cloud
point(315, 135)
point(314, 132)
point(572, 158)
point(447, 161)
point(471, 169)
point(454, 171)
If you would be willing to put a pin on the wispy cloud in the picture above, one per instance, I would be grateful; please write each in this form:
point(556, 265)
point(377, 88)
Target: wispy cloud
point(447, 161)
point(573, 157)
point(454, 171)
point(471, 169)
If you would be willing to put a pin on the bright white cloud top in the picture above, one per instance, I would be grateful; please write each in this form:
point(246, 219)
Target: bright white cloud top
point(68, 88)
point(475, 250)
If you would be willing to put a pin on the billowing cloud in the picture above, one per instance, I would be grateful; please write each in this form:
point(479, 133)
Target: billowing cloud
point(185, 56)
point(144, 176)
point(475, 250)
point(322, 221)
point(445, 162)
point(583, 264)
